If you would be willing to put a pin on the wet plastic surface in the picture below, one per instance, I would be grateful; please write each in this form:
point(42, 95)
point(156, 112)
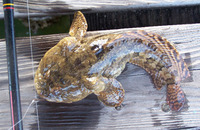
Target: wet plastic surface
point(142, 106)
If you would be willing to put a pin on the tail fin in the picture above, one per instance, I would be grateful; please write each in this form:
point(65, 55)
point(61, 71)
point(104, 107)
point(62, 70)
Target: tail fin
point(175, 97)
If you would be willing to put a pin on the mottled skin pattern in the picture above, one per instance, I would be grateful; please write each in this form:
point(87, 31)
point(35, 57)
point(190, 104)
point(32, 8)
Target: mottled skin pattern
point(78, 66)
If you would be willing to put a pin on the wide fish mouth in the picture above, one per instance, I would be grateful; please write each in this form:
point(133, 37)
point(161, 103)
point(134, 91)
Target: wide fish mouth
point(67, 94)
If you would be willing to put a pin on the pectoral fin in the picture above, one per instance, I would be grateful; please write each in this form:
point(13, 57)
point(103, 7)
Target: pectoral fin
point(113, 93)
point(79, 26)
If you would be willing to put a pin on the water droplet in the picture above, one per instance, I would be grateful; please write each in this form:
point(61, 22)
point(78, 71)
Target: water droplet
point(118, 108)
point(165, 107)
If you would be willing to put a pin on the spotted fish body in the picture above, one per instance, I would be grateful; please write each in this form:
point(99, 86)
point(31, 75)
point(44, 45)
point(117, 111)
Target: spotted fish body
point(151, 52)
point(78, 66)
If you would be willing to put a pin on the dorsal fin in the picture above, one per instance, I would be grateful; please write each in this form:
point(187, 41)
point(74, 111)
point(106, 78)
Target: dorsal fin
point(79, 26)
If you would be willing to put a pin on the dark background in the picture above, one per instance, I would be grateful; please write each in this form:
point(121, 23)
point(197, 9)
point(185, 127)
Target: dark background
point(126, 18)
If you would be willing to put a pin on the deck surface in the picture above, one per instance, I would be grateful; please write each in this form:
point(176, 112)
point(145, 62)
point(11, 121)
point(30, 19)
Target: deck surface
point(142, 105)
point(53, 7)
